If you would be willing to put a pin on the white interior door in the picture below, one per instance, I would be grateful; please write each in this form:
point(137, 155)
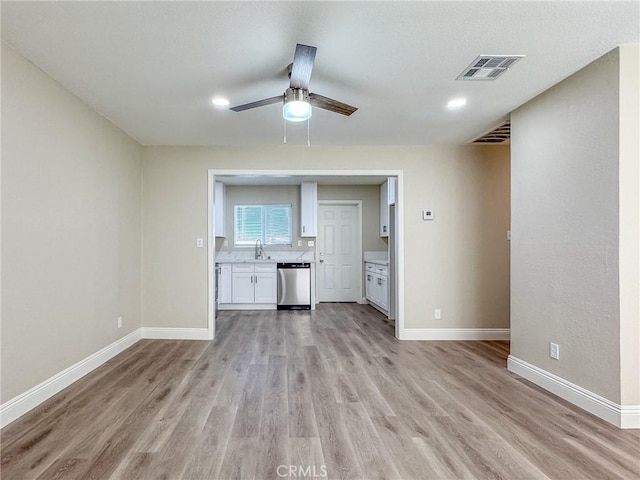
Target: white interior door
point(339, 253)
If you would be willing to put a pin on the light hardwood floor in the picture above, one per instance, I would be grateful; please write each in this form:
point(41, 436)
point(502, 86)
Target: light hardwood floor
point(330, 389)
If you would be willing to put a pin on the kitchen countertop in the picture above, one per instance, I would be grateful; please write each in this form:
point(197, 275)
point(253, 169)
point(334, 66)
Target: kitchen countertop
point(267, 260)
point(378, 262)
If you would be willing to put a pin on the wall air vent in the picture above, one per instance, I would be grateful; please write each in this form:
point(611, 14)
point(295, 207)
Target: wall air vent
point(488, 67)
point(500, 134)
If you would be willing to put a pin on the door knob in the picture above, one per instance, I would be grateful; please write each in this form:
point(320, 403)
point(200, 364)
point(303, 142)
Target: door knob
point(321, 261)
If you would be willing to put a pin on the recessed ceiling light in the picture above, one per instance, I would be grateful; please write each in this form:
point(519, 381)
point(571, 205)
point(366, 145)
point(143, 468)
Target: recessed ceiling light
point(220, 102)
point(456, 103)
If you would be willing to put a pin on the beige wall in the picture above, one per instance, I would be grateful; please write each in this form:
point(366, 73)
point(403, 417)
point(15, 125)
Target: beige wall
point(459, 262)
point(71, 228)
point(566, 223)
point(370, 196)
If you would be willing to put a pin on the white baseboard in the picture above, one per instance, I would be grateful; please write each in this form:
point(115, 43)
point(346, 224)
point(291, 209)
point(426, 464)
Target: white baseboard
point(162, 333)
point(21, 404)
point(622, 416)
point(455, 334)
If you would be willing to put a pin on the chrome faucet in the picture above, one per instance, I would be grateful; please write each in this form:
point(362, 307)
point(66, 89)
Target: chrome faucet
point(259, 255)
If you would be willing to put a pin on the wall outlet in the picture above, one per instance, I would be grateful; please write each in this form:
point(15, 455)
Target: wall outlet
point(427, 214)
point(299, 243)
point(199, 242)
point(554, 350)
point(437, 314)
point(310, 243)
point(119, 322)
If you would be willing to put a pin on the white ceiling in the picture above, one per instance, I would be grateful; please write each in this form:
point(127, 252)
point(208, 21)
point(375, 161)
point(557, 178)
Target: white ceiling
point(152, 67)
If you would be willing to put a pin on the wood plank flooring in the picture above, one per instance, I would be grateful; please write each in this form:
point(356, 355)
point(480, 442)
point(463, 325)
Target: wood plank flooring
point(324, 394)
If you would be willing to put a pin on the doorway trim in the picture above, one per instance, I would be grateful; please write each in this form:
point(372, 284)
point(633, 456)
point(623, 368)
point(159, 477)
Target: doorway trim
point(358, 205)
point(211, 174)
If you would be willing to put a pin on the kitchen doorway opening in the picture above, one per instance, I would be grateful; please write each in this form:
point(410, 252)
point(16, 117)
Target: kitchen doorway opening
point(342, 177)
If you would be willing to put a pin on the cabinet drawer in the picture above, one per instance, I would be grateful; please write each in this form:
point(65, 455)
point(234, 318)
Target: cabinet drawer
point(265, 267)
point(381, 270)
point(242, 267)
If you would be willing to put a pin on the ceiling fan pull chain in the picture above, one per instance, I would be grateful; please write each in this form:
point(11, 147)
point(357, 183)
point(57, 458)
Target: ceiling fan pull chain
point(285, 130)
point(308, 141)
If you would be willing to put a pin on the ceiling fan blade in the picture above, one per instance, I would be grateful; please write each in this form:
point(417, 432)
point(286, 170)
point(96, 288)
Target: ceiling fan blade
point(302, 66)
point(259, 103)
point(331, 104)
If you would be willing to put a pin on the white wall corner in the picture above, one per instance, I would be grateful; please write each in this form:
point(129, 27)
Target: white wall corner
point(627, 416)
point(21, 404)
point(455, 334)
point(166, 333)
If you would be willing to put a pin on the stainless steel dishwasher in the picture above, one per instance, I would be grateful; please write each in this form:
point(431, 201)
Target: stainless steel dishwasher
point(294, 286)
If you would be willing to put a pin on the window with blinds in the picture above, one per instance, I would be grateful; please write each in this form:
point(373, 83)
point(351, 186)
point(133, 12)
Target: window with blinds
point(270, 224)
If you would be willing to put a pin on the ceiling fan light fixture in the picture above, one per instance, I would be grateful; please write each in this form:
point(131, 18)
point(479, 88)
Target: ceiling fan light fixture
point(220, 102)
point(296, 105)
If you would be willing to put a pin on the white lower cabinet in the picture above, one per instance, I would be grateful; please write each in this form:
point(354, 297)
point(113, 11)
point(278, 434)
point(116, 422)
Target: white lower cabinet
point(252, 284)
point(224, 283)
point(242, 290)
point(265, 287)
point(377, 286)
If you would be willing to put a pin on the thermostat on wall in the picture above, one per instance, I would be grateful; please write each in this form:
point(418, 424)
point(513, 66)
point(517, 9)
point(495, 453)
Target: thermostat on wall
point(427, 214)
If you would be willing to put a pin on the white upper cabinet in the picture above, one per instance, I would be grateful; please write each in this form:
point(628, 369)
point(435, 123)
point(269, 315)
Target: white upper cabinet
point(392, 190)
point(219, 213)
point(387, 197)
point(308, 209)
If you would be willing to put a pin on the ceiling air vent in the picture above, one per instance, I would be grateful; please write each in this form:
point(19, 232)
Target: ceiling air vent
point(501, 134)
point(488, 67)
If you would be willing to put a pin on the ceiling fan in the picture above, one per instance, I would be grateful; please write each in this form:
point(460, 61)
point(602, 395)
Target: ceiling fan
point(297, 100)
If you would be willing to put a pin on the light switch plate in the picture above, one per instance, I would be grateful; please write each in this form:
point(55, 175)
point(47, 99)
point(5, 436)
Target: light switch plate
point(199, 243)
point(427, 214)
point(299, 243)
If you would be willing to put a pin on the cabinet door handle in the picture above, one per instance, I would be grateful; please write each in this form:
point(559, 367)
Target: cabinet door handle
point(256, 278)
point(251, 278)
point(303, 229)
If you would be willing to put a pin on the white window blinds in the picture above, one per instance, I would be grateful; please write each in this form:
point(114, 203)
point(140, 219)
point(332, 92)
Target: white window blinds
point(271, 224)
